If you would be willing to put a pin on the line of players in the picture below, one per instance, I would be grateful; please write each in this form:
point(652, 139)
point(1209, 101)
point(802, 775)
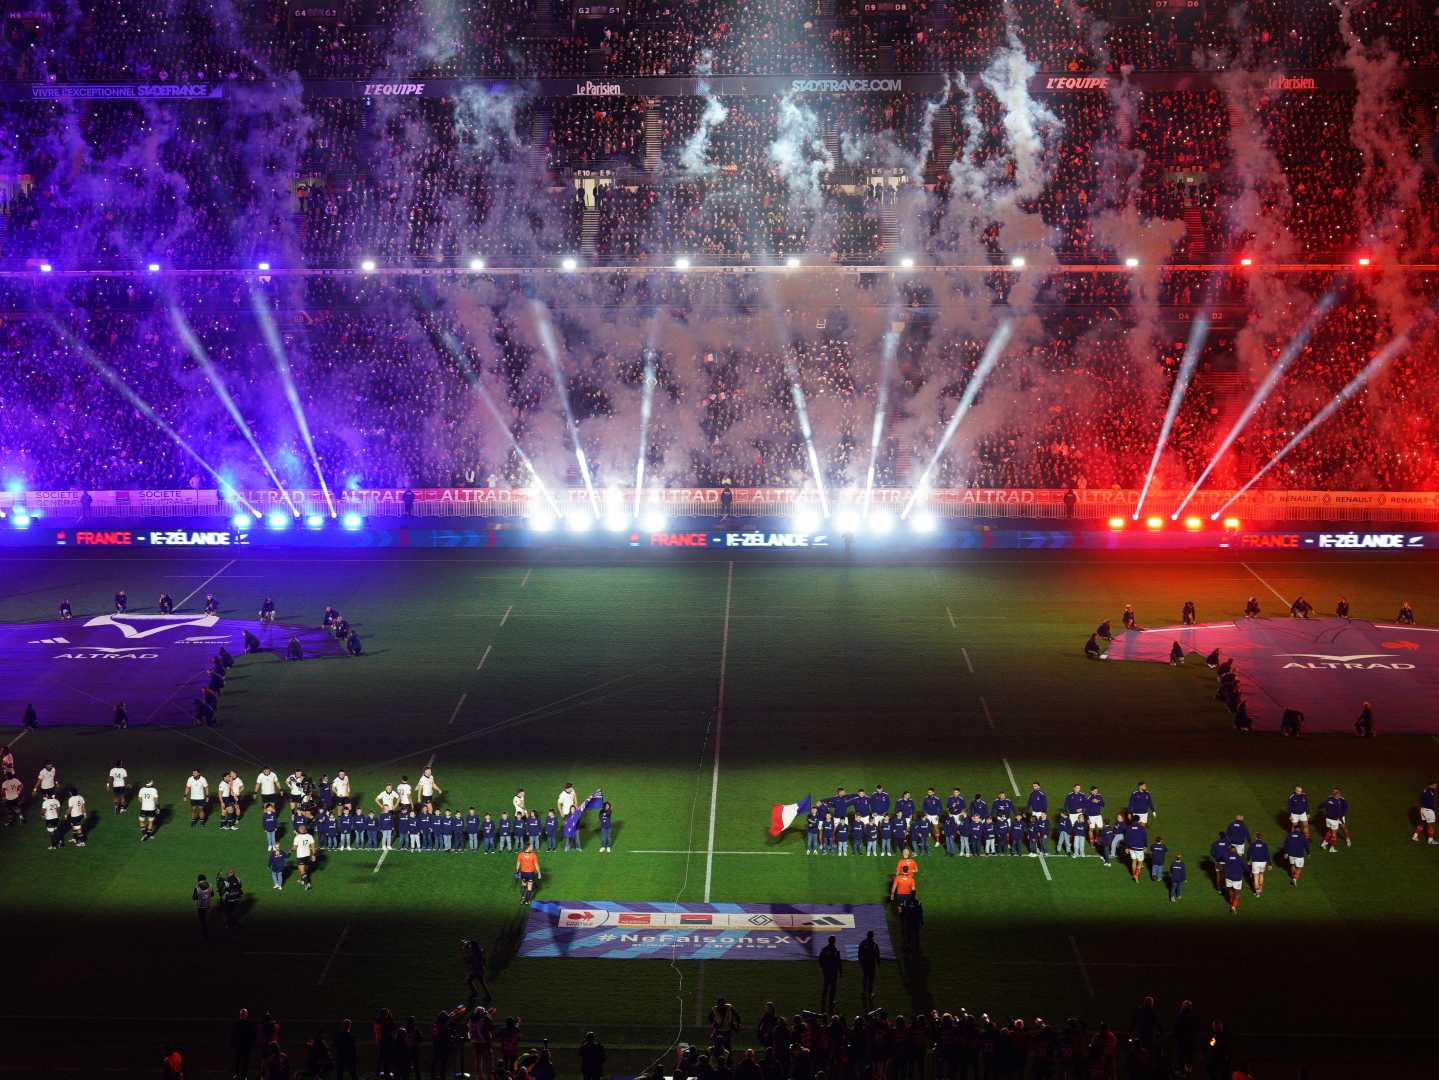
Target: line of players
point(1299, 609)
point(405, 814)
point(879, 827)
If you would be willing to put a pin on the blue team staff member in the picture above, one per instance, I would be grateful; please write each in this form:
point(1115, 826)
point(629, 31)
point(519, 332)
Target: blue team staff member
point(1158, 854)
point(1258, 862)
point(1237, 834)
point(1136, 841)
point(1141, 803)
point(1296, 849)
point(1297, 807)
point(1178, 875)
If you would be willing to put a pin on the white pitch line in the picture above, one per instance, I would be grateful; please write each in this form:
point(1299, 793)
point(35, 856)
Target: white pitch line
point(684, 851)
point(484, 658)
point(987, 718)
point(1014, 787)
point(333, 953)
point(1266, 584)
point(458, 706)
point(719, 721)
point(967, 661)
point(1083, 971)
point(506, 617)
point(381, 861)
point(952, 624)
point(207, 581)
point(527, 577)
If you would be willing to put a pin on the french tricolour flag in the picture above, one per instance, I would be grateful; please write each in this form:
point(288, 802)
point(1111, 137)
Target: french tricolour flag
point(782, 815)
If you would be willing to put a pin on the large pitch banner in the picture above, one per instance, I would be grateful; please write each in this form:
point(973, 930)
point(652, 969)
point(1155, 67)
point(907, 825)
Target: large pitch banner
point(638, 931)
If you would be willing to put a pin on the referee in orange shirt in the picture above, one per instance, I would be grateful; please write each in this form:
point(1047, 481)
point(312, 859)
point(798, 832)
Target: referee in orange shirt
point(527, 869)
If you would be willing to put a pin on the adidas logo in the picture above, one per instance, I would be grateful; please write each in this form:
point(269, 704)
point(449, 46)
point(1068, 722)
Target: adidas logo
point(50, 641)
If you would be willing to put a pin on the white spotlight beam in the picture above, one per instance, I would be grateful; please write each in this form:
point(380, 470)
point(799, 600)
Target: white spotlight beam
point(881, 402)
point(1198, 334)
point(197, 350)
point(1271, 380)
point(1371, 370)
point(457, 353)
point(552, 352)
point(998, 340)
point(121, 387)
point(647, 397)
point(292, 393)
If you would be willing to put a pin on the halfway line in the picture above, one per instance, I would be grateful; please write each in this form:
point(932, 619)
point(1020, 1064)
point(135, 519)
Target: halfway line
point(506, 617)
point(207, 581)
point(719, 720)
point(1014, 787)
point(1266, 584)
point(684, 851)
point(527, 577)
point(952, 624)
point(333, 953)
point(484, 658)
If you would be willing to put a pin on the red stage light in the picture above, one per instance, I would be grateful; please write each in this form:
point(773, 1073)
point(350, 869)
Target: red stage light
point(1116, 523)
point(1246, 261)
point(1154, 521)
point(1192, 523)
point(1364, 260)
point(1231, 523)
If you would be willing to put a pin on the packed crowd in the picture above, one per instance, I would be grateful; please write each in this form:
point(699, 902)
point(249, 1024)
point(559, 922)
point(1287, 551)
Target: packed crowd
point(405, 39)
point(1078, 399)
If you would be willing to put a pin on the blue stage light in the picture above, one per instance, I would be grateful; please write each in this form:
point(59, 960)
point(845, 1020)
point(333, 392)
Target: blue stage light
point(542, 521)
point(922, 521)
point(264, 267)
point(154, 268)
point(20, 518)
point(242, 521)
point(278, 519)
point(314, 521)
point(45, 268)
point(351, 520)
point(881, 522)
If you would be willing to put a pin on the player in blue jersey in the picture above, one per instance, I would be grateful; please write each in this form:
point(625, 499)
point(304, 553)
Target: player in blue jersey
point(1136, 841)
point(955, 804)
point(1002, 807)
point(1425, 826)
point(1258, 862)
point(1141, 803)
point(905, 806)
point(879, 802)
point(1218, 852)
point(1234, 874)
point(1297, 807)
point(1037, 802)
point(1336, 821)
point(1296, 849)
point(1237, 834)
point(1094, 812)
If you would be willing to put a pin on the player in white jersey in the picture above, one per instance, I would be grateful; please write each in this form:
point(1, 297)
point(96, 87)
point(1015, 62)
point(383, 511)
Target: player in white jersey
point(13, 792)
point(304, 847)
point(147, 800)
point(197, 791)
point(50, 811)
point(75, 809)
point(566, 801)
point(340, 785)
point(428, 788)
point(119, 786)
point(267, 786)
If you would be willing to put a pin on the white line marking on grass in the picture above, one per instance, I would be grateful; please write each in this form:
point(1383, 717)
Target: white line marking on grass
point(1083, 971)
point(1266, 584)
point(987, 718)
point(381, 861)
point(527, 577)
point(17, 738)
point(484, 658)
point(691, 851)
point(458, 706)
point(506, 617)
point(968, 662)
point(333, 953)
point(1014, 787)
point(1406, 629)
point(207, 581)
point(719, 721)
point(952, 624)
